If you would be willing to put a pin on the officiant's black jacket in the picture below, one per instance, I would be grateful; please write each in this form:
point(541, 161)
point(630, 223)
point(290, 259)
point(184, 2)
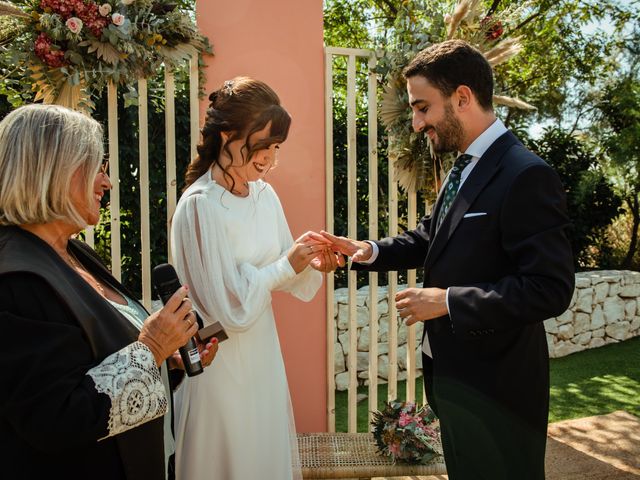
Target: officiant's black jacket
point(503, 253)
point(54, 328)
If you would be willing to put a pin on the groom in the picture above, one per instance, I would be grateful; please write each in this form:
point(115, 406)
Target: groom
point(497, 263)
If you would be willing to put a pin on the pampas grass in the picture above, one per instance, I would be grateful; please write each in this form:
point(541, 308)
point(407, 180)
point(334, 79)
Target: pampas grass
point(462, 9)
point(504, 51)
point(512, 102)
point(7, 9)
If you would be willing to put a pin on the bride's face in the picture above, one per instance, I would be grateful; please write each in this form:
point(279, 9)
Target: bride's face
point(260, 163)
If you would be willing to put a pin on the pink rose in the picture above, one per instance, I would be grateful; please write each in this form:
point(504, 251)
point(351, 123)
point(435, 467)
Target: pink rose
point(117, 19)
point(74, 24)
point(105, 9)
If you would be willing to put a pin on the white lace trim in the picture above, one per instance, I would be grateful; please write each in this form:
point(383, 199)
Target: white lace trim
point(132, 380)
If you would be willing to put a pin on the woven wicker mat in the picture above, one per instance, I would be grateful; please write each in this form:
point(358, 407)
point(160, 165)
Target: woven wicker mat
point(353, 455)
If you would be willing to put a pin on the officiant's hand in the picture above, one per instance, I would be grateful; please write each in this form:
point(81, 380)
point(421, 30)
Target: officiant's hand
point(358, 251)
point(419, 304)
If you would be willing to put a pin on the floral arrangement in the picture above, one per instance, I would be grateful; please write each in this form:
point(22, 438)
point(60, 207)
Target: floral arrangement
point(407, 433)
point(489, 31)
point(71, 49)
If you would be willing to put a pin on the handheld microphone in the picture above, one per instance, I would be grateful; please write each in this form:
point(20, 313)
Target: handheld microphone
point(166, 283)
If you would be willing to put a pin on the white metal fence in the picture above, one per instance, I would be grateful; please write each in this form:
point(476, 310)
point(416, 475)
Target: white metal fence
point(353, 158)
point(170, 160)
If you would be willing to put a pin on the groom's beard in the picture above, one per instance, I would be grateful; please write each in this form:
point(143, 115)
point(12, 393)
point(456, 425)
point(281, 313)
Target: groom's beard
point(449, 132)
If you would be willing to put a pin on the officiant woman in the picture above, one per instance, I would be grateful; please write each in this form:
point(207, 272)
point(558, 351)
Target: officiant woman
point(83, 387)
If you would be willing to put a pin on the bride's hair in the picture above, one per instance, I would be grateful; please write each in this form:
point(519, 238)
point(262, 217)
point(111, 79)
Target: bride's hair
point(241, 107)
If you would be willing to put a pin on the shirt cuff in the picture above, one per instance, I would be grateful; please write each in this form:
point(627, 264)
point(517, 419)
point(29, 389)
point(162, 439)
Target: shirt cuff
point(448, 309)
point(375, 251)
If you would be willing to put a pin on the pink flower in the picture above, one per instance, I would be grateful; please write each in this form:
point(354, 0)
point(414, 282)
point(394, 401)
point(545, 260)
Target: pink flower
point(105, 9)
point(117, 19)
point(92, 19)
point(405, 419)
point(52, 57)
point(74, 24)
point(65, 8)
point(394, 448)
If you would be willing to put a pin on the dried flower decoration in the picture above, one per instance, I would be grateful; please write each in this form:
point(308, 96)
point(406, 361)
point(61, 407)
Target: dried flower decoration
point(71, 49)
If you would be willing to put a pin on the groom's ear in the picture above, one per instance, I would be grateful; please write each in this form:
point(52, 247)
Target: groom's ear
point(462, 97)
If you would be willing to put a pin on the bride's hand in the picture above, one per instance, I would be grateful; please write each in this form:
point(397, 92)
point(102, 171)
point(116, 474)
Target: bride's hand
point(305, 249)
point(328, 261)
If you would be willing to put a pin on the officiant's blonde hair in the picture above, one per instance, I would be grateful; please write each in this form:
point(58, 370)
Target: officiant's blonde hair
point(41, 148)
point(241, 107)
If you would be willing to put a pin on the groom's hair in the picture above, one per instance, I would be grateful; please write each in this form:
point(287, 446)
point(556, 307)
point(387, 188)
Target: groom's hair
point(447, 65)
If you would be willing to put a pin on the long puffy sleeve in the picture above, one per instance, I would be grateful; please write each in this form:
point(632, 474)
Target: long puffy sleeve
point(54, 395)
point(222, 288)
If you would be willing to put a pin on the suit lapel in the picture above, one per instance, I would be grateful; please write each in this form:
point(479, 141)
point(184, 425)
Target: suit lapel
point(488, 165)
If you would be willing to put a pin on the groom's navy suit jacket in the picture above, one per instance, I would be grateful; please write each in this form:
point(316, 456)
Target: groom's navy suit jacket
point(507, 269)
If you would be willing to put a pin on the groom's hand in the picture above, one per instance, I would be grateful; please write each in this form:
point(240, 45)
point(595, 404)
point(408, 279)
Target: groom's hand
point(419, 304)
point(357, 250)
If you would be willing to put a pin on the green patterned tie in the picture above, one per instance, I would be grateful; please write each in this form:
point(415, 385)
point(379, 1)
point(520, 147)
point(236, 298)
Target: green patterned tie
point(453, 183)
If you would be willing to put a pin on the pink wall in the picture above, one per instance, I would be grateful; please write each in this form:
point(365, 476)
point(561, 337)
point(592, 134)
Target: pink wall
point(281, 43)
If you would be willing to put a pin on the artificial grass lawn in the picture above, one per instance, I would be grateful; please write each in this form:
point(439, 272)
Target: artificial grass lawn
point(592, 382)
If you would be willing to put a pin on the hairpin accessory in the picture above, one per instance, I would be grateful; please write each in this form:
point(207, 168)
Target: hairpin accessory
point(228, 87)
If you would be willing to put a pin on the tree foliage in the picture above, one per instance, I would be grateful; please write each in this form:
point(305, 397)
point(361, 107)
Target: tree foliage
point(619, 125)
point(566, 52)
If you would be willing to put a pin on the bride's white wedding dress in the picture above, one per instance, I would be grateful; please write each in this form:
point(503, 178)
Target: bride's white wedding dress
point(234, 421)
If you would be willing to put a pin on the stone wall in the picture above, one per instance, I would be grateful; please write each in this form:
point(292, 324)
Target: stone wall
point(605, 308)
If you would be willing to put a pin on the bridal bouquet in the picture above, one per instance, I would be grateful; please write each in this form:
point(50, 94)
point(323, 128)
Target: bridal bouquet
point(72, 48)
point(407, 433)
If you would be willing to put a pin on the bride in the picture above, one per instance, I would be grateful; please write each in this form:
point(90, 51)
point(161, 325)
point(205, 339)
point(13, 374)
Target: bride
point(232, 246)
